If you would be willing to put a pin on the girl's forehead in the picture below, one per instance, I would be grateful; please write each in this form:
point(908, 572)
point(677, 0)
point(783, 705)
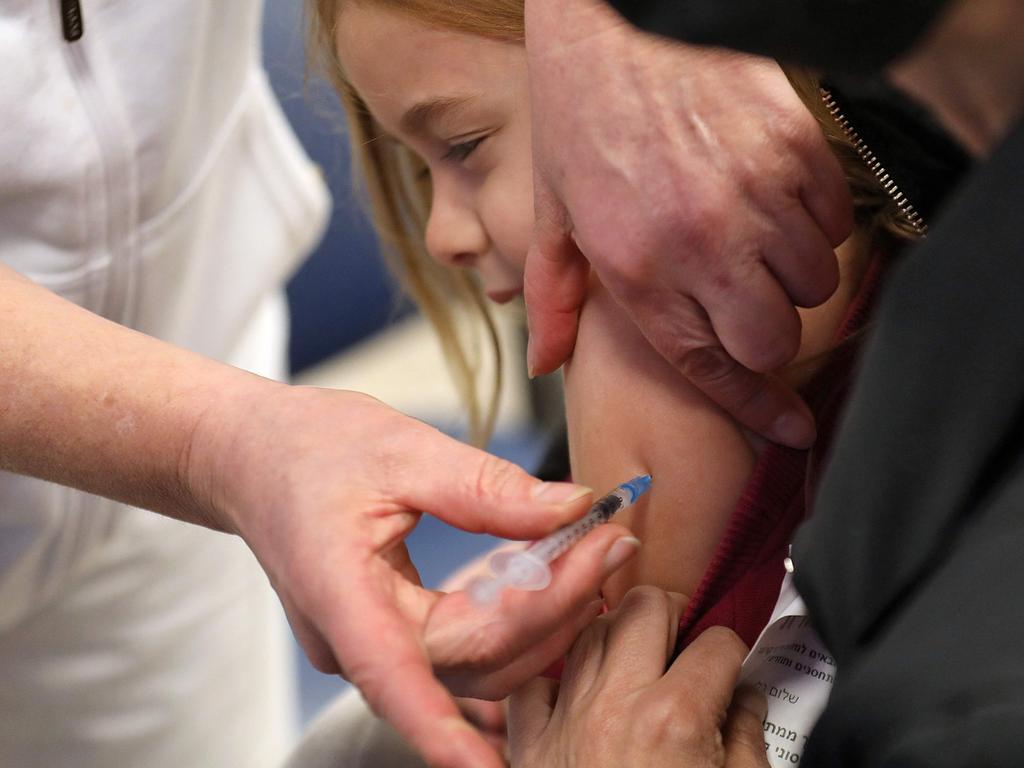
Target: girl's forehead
point(371, 39)
point(394, 61)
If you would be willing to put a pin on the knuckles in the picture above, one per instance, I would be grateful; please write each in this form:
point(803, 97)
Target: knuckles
point(728, 641)
point(644, 603)
point(671, 721)
point(496, 478)
point(707, 367)
point(639, 725)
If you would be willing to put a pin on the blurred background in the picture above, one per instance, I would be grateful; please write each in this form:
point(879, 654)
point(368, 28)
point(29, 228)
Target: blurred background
point(351, 328)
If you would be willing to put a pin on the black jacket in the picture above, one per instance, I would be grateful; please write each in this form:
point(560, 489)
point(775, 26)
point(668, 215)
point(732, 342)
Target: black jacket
point(831, 34)
point(913, 563)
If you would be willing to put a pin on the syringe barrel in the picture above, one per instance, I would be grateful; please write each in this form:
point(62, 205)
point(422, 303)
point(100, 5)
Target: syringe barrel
point(554, 545)
point(528, 569)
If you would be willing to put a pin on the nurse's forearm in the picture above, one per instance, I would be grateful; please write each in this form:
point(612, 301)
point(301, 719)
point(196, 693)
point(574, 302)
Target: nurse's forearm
point(90, 404)
point(323, 486)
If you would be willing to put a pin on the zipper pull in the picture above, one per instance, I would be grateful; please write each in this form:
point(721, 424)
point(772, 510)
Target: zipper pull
point(71, 19)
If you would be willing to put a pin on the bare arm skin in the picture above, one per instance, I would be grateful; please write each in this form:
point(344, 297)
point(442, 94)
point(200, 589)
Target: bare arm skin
point(322, 485)
point(629, 412)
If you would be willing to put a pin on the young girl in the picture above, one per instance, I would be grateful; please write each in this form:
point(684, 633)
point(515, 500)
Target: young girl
point(439, 115)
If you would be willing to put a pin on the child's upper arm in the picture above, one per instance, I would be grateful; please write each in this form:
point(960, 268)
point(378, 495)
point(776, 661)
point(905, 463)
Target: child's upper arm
point(630, 412)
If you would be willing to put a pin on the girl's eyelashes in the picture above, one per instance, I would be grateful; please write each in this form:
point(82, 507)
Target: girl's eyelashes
point(456, 153)
point(460, 152)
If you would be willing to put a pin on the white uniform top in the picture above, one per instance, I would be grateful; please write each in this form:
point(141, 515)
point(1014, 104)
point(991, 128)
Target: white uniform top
point(147, 174)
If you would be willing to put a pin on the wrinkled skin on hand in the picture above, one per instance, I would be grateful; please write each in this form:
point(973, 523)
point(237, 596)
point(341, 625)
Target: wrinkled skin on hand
point(324, 486)
point(617, 704)
point(700, 189)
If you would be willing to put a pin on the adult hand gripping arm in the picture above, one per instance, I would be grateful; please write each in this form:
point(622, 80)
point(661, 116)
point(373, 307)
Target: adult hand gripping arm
point(701, 191)
point(617, 704)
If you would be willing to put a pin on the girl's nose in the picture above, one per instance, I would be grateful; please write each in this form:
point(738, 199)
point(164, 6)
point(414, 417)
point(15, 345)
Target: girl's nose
point(455, 235)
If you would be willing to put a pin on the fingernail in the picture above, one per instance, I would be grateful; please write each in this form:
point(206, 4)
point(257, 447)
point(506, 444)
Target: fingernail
point(793, 429)
point(621, 551)
point(531, 366)
point(760, 706)
point(595, 606)
point(559, 493)
point(752, 700)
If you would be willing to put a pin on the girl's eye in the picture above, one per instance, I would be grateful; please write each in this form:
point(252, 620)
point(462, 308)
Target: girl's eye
point(461, 151)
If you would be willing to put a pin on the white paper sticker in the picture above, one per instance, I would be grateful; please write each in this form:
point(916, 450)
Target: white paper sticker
point(791, 666)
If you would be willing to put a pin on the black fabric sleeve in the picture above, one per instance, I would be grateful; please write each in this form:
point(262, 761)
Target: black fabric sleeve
point(920, 156)
point(911, 563)
point(833, 35)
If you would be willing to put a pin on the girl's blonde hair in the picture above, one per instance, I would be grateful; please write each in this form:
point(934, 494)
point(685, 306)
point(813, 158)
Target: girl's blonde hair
point(399, 193)
point(394, 182)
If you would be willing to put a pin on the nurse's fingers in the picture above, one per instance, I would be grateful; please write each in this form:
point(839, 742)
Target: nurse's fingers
point(743, 735)
point(641, 636)
point(386, 660)
point(710, 665)
point(476, 650)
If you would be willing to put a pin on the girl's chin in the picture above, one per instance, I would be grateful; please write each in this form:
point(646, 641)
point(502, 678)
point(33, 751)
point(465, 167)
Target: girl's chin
point(504, 296)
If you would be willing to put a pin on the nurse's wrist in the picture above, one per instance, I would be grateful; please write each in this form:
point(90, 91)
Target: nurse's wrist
point(218, 457)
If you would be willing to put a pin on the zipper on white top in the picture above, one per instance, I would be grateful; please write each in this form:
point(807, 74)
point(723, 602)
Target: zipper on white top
point(104, 106)
point(71, 20)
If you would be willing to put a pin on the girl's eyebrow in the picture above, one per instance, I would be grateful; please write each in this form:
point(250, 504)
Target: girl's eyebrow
point(422, 118)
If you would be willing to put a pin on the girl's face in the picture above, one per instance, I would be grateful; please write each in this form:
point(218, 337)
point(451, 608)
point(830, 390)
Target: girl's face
point(460, 102)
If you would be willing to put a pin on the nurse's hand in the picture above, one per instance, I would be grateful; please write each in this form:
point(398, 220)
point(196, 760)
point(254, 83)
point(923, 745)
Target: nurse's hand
point(324, 486)
point(617, 705)
point(699, 188)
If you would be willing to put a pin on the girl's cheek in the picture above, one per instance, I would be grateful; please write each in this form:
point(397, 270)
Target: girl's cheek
point(511, 221)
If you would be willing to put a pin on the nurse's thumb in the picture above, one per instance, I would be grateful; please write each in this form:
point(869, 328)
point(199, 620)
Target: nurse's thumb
point(743, 733)
point(481, 493)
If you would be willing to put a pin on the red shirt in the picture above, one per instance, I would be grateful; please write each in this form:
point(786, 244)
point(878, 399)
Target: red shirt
point(741, 584)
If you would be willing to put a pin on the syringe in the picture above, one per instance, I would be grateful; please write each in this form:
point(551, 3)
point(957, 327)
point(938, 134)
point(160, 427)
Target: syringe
point(528, 568)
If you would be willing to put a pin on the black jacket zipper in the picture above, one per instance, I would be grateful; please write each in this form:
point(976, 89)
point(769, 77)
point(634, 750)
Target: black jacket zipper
point(875, 165)
point(71, 19)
